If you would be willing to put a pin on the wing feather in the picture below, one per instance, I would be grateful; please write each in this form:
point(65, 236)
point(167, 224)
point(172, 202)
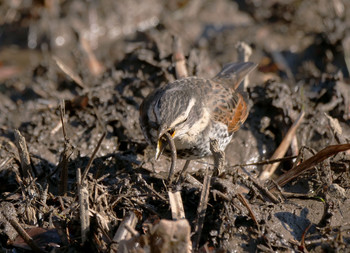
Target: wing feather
point(229, 108)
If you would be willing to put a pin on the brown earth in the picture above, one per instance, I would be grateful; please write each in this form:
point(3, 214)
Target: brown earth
point(101, 58)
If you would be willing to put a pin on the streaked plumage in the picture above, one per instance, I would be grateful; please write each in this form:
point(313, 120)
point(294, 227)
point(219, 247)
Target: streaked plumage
point(195, 110)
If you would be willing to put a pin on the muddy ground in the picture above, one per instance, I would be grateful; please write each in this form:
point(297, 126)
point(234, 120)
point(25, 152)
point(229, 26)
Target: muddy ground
point(99, 59)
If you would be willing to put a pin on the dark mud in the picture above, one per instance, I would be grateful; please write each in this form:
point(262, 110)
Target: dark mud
point(100, 59)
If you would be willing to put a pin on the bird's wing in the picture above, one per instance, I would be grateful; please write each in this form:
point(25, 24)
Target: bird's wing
point(228, 107)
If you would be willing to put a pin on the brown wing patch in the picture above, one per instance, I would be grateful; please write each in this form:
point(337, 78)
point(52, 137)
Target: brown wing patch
point(230, 109)
point(240, 115)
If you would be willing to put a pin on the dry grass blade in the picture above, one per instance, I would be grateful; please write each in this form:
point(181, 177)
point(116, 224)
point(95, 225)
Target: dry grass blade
point(93, 156)
point(27, 238)
point(62, 114)
point(282, 149)
point(150, 187)
point(309, 163)
point(171, 143)
point(334, 124)
point(69, 72)
point(83, 194)
point(67, 151)
point(23, 155)
point(264, 190)
point(9, 211)
point(123, 232)
point(5, 162)
point(95, 66)
point(176, 205)
point(245, 203)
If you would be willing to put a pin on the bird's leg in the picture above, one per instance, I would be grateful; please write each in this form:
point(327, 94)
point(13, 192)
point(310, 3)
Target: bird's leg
point(182, 172)
point(219, 157)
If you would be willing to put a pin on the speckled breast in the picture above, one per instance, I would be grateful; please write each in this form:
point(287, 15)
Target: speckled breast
point(201, 148)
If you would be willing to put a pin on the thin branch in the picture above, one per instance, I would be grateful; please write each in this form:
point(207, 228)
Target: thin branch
point(251, 213)
point(8, 211)
point(69, 72)
point(23, 153)
point(310, 163)
point(176, 205)
point(201, 211)
point(282, 149)
point(67, 152)
point(93, 156)
point(179, 59)
point(83, 194)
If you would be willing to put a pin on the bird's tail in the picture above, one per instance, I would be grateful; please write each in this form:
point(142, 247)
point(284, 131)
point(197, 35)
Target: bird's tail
point(233, 73)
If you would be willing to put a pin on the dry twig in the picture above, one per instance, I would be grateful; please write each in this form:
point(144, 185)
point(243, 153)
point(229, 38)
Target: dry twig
point(95, 66)
point(282, 149)
point(93, 156)
point(176, 205)
point(69, 72)
point(67, 152)
point(264, 190)
point(8, 211)
point(124, 232)
point(23, 155)
point(83, 195)
point(151, 189)
point(179, 59)
point(251, 213)
point(310, 163)
point(201, 211)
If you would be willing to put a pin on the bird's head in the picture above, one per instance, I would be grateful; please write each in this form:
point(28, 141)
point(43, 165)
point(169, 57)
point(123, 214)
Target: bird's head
point(175, 112)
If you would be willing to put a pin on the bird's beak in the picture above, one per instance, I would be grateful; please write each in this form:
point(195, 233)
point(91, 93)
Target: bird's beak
point(162, 142)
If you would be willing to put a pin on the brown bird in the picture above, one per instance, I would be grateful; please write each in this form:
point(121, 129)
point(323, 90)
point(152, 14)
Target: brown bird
point(195, 110)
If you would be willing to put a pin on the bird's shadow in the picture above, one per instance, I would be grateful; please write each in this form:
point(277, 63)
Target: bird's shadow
point(295, 224)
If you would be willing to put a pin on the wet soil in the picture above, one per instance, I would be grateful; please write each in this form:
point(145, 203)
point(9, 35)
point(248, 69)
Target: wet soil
point(99, 60)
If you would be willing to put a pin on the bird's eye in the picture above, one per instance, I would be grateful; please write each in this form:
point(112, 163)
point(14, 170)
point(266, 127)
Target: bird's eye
point(171, 131)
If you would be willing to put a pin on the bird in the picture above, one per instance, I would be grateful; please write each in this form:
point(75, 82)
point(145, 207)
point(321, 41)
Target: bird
point(195, 110)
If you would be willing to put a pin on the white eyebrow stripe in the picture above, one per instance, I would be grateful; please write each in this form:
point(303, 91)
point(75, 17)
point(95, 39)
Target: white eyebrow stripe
point(184, 115)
